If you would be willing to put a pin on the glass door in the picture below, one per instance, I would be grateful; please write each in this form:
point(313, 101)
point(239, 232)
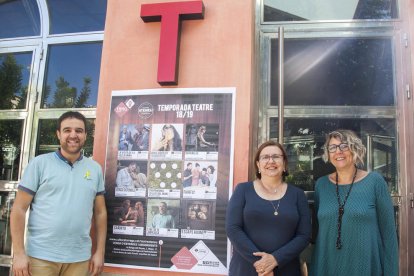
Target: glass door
point(313, 86)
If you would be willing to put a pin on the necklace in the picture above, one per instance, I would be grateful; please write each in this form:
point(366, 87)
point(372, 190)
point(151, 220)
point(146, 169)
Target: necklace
point(275, 208)
point(341, 207)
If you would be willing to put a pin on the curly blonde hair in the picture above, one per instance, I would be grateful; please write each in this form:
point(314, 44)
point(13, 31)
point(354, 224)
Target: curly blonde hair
point(349, 137)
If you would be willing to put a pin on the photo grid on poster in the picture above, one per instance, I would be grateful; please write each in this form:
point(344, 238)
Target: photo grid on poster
point(164, 190)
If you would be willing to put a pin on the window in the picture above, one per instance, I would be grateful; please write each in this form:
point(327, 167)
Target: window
point(335, 71)
point(45, 70)
point(14, 79)
point(72, 76)
point(19, 18)
point(76, 16)
point(305, 10)
point(10, 148)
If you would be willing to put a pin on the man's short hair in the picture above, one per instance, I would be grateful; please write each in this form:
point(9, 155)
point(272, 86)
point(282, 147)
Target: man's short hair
point(71, 114)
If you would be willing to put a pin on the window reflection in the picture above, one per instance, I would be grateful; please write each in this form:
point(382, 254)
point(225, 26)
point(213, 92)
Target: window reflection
point(10, 140)
point(6, 203)
point(304, 139)
point(72, 76)
point(341, 71)
point(19, 18)
point(48, 142)
point(305, 10)
point(14, 79)
point(76, 16)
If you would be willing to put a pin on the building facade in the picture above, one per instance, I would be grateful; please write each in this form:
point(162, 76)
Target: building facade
point(299, 68)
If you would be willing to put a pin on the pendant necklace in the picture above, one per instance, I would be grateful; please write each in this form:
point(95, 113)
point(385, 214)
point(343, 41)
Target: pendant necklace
point(275, 208)
point(341, 207)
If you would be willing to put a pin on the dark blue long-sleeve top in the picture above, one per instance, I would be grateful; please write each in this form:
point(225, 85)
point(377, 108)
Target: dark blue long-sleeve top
point(252, 227)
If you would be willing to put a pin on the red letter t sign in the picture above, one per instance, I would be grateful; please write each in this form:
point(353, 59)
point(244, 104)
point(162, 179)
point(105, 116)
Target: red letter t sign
point(170, 15)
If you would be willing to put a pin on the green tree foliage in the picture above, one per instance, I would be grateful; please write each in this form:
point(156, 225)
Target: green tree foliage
point(11, 132)
point(85, 93)
point(10, 81)
point(65, 95)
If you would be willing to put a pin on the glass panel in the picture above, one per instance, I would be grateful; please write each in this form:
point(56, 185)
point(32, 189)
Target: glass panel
point(48, 142)
point(304, 139)
point(19, 18)
point(14, 79)
point(76, 16)
point(4, 271)
point(305, 10)
point(335, 71)
point(6, 203)
point(383, 157)
point(10, 140)
point(72, 76)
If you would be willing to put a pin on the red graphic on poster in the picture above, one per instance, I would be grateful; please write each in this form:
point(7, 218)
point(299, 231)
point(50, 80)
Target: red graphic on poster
point(184, 259)
point(121, 109)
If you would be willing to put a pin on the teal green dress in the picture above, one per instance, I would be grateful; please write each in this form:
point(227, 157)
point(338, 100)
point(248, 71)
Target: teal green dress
point(369, 237)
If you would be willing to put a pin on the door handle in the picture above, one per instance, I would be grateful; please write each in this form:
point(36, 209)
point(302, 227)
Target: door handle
point(412, 200)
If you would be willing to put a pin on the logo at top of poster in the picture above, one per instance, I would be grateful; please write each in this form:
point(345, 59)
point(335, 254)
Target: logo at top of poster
point(129, 103)
point(121, 109)
point(145, 110)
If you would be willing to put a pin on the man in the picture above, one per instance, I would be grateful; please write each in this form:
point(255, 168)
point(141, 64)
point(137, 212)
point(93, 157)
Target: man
point(139, 179)
point(142, 140)
point(205, 181)
point(64, 190)
point(135, 215)
point(131, 177)
point(121, 212)
point(162, 219)
point(125, 138)
point(187, 175)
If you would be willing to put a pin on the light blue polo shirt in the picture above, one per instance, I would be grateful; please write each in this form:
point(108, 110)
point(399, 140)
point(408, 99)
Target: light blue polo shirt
point(60, 217)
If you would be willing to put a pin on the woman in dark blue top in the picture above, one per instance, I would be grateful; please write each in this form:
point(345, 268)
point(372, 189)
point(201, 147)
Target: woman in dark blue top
point(268, 220)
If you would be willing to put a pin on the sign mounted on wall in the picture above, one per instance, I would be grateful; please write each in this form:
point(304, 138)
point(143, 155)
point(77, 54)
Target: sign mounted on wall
point(170, 15)
point(168, 178)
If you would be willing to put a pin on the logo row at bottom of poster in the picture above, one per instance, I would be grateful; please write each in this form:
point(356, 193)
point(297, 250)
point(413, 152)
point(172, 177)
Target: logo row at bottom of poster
point(164, 232)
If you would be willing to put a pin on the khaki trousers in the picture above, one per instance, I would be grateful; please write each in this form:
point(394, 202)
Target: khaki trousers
point(46, 268)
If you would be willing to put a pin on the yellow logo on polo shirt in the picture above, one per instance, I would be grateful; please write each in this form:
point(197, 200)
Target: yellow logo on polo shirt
point(87, 175)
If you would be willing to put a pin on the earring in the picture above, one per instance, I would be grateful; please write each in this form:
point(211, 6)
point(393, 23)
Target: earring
point(260, 172)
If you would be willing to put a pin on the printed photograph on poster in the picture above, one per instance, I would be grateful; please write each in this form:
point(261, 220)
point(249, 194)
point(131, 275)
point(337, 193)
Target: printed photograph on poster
point(202, 137)
point(163, 217)
point(134, 141)
point(164, 179)
point(167, 141)
point(131, 178)
point(198, 219)
point(200, 179)
point(129, 217)
point(201, 141)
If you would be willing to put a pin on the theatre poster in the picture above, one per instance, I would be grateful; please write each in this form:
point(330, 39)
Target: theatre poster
point(168, 174)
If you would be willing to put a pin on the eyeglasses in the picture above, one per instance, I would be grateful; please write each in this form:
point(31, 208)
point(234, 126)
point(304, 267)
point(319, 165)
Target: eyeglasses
point(275, 157)
point(342, 147)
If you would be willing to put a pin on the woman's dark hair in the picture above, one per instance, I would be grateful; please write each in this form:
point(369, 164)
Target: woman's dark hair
point(259, 151)
point(212, 169)
point(177, 142)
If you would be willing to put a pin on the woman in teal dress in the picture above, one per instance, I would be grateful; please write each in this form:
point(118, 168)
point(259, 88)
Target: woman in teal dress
point(357, 233)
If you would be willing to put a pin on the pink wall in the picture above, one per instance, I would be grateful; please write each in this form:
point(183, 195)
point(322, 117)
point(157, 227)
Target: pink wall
point(217, 51)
